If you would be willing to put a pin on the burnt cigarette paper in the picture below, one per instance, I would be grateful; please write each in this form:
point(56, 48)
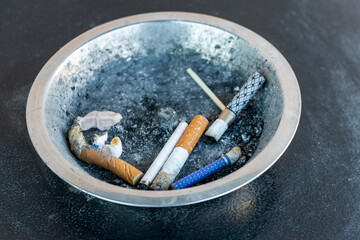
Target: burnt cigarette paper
point(93, 155)
point(163, 155)
point(180, 153)
point(240, 100)
point(226, 160)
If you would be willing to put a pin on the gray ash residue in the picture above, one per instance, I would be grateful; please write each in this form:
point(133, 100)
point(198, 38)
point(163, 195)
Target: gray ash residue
point(153, 94)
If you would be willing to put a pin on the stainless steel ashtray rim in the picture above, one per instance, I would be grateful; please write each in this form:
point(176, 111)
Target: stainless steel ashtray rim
point(83, 181)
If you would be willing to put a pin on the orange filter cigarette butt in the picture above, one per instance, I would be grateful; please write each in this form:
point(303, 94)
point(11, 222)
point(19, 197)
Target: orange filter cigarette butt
point(97, 156)
point(193, 133)
point(180, 153)
point(122, 169)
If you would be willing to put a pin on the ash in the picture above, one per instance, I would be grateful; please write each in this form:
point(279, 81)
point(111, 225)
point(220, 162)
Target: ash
point(153, 94)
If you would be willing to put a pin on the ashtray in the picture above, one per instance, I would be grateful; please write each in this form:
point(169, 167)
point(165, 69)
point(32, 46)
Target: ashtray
point(137, 66)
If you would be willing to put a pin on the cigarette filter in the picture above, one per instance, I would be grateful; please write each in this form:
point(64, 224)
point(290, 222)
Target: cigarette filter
point(99, 157)
point(240, 100)
point(163, 155)
point(180, 153)
point(226, 160)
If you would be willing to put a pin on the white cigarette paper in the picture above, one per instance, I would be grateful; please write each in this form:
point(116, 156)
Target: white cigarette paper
point(163, 155)
point(206, 89)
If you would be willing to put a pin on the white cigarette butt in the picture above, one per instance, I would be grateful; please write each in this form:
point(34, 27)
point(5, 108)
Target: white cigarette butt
point(163, 155)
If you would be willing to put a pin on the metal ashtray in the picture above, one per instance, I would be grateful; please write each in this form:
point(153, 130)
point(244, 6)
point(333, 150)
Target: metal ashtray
point(135, 65)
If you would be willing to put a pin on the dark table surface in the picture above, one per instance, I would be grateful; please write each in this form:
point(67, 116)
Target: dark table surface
point(312, 192)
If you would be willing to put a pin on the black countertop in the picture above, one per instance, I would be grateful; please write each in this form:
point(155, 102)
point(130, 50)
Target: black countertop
point(312, 192)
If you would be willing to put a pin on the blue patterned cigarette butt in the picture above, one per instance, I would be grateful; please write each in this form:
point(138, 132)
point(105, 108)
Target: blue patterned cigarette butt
point(246, 92)
point(226, 160)
point(202, 173)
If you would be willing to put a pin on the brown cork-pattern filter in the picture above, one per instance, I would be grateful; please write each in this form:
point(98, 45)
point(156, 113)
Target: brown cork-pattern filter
point(193, 133)
point(122, 169)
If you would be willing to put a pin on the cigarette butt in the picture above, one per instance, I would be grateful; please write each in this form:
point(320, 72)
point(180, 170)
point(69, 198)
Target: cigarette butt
point(180, 153)
point(226, 160)
point(122, 169)
point(239, 101)
point(193, 133)
point(218, 128)
point(163, 155)
point(99, 157)
point(170, 169)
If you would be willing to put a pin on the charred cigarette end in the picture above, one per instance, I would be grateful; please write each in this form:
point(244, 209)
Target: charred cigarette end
point(170, 169)
point(234, 155)
point(193, 133)
point(76, 139)
point(180, 153)
point(162, 181)
point(218, 128)
point(138, 177)
point(143, 186)
point(122, 169)
point(163, 155)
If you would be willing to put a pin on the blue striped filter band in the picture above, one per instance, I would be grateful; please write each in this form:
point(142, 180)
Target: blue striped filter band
point(226, 160)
